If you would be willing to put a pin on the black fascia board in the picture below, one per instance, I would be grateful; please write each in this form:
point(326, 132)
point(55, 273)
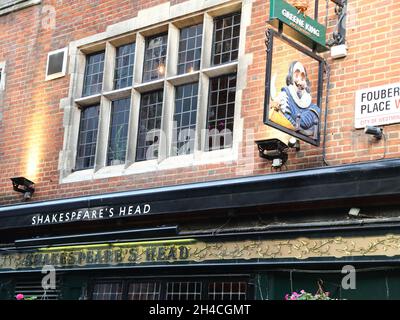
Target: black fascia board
point(355, 181)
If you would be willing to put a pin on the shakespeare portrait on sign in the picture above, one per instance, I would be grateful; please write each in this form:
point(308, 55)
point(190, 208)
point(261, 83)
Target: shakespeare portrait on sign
point(293, 89)
point(293, 108)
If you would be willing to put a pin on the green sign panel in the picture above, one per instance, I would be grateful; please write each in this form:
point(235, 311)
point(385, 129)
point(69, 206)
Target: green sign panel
point(298, 25)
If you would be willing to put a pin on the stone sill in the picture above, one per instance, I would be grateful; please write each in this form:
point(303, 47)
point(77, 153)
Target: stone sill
point(19, 5)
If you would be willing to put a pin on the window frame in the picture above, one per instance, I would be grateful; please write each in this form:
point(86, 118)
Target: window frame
point(64, 64)
point(166, 159)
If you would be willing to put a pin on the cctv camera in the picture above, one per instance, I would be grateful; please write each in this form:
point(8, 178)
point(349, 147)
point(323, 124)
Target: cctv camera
point(374, 131)
point(27, 195)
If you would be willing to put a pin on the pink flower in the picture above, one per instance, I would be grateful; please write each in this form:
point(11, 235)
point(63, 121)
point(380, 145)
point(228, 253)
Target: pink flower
point(20, 296)
point(287, 297)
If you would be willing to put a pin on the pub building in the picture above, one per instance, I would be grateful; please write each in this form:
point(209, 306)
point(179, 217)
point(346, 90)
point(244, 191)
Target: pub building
point(199, 150)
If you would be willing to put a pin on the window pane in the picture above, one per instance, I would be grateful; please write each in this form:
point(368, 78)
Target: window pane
point(124, 66)
point(87, 137)
point(221, 111)
point(149, 126)
point(94, 74)
point(185, 118)
point(226, 39)
point(147, 291)
point(184, 291)
point(190, 49)
point(118, 139)
point(227, 291)
point(155, 56)
point(107, 291)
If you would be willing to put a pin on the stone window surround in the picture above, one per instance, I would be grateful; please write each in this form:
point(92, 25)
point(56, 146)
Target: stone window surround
point(18, 5)
point(164, 18)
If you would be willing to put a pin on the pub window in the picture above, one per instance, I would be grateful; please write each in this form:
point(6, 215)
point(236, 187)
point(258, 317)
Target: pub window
point(149, 125)
point(174, 289)
point(219, 291)
point(190, 49)
point(125, 57)
point(108, 291)
point(87, 137)
point(185, 117)
point(155, 58)
point(118, 139)
point(184, 291)
point(221, 111)
point(146, 291)
point(94, 74)
point(226, 39)
point(155, 94)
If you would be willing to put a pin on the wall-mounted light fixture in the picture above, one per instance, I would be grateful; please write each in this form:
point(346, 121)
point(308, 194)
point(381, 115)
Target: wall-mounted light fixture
point(374, 131)
point(274, 150)
point(294, 144)
point(23, 185)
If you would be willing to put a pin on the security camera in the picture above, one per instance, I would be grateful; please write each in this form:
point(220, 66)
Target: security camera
point(27, 195)
point(374, 131)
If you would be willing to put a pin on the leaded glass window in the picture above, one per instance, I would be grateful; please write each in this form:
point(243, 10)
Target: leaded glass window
point(190, 49)
point(124, 64)
point(155, 58)
point(149, 126)
point(221, 111)
point(94, 74)
point(226, 39)
point(185, 117)
point(87, 137)
point(118, 138)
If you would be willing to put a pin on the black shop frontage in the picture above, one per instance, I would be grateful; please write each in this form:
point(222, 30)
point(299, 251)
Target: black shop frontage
point(245, 238)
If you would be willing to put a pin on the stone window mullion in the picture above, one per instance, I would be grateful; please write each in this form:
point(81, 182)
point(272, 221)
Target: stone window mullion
point(208, 30)
point(169, 94)
point(201, 133)
point(103, 133)
point(139, 59)
point(133, 128)
point(201, 130)
point(109, 68)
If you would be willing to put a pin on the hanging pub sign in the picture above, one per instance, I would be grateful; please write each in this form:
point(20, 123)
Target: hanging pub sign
point(377, 106)
point(298, 25)
point(294, 86)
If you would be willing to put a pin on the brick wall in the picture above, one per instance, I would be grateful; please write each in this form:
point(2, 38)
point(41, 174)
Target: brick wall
point(31, 129)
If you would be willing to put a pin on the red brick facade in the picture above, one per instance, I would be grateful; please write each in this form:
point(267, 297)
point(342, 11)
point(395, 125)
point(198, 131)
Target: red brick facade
point(31, 128)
